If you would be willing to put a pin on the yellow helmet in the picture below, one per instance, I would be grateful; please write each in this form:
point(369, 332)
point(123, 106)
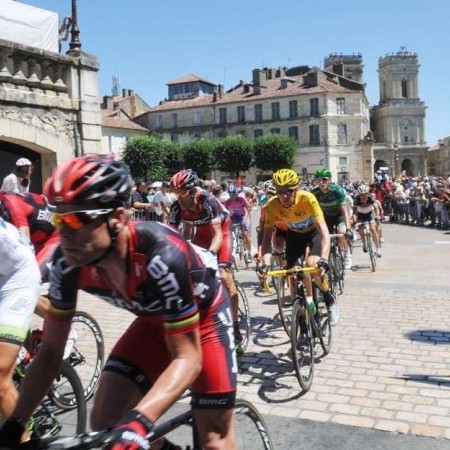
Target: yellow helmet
point(285, 178)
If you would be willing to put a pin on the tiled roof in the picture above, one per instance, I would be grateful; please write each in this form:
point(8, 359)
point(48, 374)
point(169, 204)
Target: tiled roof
point(110, 119)
point(189, 78)
point(272, 90)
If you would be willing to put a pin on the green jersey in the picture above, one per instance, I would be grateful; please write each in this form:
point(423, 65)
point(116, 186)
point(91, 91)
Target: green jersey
point(332, 200)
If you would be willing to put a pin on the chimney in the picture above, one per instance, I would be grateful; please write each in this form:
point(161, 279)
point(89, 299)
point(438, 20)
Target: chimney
point(124, 93)
point(108, 102)
point(259, 80)
point(218, 92)
point(310, 79)
point(338, 68)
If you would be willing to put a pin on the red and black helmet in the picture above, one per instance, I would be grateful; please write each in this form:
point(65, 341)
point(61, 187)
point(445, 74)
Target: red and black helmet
point(92, 179)
point(184, 180)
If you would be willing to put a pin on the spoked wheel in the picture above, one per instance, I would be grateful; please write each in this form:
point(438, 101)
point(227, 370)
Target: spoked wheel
point(250, 428)
point(333, 274)
point(340, 271)
point(371, 250)
point(322, 330)
point(302, 346)
point(284, 302)
point(53, 417)
point(243, 318)
point(88, 351)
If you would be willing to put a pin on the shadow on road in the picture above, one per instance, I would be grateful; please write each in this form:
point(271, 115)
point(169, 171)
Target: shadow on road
point(426, 379)
point(436, 337)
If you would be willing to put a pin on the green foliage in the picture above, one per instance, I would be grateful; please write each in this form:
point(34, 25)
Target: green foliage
point(151, 158)
point(232, 154)
point(197, 155)
point(273, 152)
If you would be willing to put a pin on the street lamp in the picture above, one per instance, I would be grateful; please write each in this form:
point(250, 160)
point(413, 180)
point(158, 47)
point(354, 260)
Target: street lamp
point(396, 159)
point(75, 44)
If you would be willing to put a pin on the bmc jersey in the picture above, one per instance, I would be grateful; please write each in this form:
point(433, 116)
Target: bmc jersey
point(331, 201)
point(301, 217)
point(166, 277)
point(364, 208)
point(28, 210)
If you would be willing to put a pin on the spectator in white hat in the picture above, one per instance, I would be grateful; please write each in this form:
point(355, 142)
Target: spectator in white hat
point(19, 180)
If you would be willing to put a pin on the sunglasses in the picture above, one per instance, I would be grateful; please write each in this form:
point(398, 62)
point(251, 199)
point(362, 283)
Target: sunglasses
point(184, 194)
point(286, 191)
point(323, 179)
point(77, 219)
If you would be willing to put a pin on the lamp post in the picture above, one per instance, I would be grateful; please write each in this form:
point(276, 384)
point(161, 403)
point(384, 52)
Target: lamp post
point(75, 44)
point(396, 159)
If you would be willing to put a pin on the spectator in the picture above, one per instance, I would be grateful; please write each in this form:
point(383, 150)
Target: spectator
point(19, 180)
point(225, 195)
point(140, 201)
point(163, 199)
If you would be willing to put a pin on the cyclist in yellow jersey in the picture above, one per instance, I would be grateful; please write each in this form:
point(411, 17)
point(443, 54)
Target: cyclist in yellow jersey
point(300, 211)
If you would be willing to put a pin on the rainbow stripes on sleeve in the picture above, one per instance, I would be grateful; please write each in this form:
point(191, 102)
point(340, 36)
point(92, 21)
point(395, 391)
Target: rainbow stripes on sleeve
point(182, 321)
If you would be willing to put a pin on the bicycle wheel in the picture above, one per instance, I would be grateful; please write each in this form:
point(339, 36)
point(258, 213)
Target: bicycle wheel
point(284, 302)
point(340, 270)
point(322, 330)
point(333, 274)
point(251, 431)
point(371, 251)
point(243, 318)
point(88, 351)
point(52, 417)
point(302, 345)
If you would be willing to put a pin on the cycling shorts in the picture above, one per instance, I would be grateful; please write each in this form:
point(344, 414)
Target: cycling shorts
point(280, 233)
point(296, 244)
point(142, 356)
point(18, 297)
point(368, 217)
point(334, 221)
point(203, 238)
point(241, 220)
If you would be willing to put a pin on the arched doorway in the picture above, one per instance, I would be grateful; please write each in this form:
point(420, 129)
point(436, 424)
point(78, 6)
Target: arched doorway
point(381, 164)
point(10, 153)
point(408, 167)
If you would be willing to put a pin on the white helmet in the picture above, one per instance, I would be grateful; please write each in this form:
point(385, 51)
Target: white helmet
point(23, 162)
point(363, 189)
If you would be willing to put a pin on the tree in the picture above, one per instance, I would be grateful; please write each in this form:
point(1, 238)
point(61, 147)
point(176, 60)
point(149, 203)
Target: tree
point(273, 152)
point(145, 157)
point(232, 154)
point(172, 157)
point(197, 155)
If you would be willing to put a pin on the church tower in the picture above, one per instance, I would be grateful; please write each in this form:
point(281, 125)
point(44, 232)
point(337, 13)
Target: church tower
point(398, 121)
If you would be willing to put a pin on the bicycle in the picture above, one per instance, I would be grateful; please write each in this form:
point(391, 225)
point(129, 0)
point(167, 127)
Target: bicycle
point(368, 242)
point(251, 432)
point(337, 267)
point(53, 415)
point(238, 244)
point(309, 324)
point(244, 318)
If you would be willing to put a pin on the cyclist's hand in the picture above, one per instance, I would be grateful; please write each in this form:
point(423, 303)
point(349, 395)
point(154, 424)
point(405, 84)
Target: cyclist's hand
point(323, 265)
point(349, 234)
point(262, 271)
point(11, 432)
point(257, 257)
point(131, 433)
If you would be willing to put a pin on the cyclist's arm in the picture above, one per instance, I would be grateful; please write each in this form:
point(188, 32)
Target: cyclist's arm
point(217, 237)
point(266, 244)
point(346, 216)
point(322, 228)
point(25, 230)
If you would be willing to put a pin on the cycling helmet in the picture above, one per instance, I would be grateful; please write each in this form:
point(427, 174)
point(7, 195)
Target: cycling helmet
point(184, 180)
point(233, 189)
point(323, 173)
point(23, 162)
point(271, 190)
point(91, 179)
point(285, 178)
point(363, 189)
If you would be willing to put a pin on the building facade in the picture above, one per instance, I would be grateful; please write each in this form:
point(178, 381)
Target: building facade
point(438, 158)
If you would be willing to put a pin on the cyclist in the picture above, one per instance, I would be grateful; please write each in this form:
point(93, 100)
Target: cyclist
point(181, 337)
point(238, 209)
point(307, 229)
point(364, 211)
point(19, 290)
point(332, 200)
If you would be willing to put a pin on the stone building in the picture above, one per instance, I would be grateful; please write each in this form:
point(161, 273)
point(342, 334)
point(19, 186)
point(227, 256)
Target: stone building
point(398, 121)
point(326, 113)
point(438, 158)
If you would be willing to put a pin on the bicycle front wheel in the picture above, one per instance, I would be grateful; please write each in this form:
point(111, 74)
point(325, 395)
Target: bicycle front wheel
point(302, 345)
point(371, 250)
point(324, 331)
point(53, 417)
point(284, 302)
point(88, 351)
point(250, 428)
point(243, 318)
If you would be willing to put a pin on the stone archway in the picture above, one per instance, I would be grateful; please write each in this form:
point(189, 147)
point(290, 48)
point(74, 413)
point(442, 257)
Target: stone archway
point(408, 166)
point(380, 163)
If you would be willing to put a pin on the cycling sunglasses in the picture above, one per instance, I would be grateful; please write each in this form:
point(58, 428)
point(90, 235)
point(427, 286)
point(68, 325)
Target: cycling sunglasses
point(322, 179)
point(77, 219)
point(289, 191)
point(184, 194)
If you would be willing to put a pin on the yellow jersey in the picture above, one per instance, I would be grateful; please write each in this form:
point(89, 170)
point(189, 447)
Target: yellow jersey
point(301, 217)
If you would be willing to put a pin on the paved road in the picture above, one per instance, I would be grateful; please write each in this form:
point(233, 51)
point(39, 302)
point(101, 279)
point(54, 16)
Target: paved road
point(385, 383)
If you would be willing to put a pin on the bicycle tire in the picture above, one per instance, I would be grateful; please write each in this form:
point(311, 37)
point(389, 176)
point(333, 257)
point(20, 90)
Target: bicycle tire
point(322, 321)
point(371, 251)
point(244, 318)
point(302, 345)
point(340, 270)
point(251, 431)
point(284, 303)
point(52, 417)
point(88, 353)
point(333, 275)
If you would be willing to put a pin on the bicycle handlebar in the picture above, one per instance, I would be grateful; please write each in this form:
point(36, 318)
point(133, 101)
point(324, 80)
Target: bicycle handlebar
point(285, 272)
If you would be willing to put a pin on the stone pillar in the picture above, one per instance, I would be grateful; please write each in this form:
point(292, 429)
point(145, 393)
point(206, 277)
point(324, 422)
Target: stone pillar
point(368, 160)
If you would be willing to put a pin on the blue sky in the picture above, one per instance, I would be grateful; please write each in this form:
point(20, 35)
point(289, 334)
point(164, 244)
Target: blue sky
point(147, 43)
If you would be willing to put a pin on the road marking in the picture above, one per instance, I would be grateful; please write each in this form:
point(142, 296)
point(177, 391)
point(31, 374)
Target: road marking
point(442, 242)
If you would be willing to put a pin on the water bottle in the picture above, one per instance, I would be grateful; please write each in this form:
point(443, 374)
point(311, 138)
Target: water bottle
point(311, 305)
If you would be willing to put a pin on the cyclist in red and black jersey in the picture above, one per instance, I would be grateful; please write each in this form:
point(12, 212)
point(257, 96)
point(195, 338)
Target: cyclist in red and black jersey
point(181, 337)
point(31, 214)
point(206, 222)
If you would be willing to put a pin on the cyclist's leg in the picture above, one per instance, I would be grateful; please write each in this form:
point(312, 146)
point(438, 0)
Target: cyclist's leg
point(374, 232)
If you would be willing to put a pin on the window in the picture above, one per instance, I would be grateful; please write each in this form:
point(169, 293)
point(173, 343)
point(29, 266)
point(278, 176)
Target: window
point(241, 114)
point(159, 121)
point(293, 109)
point(197, 118)
point(223, 116)
point(293, 133)
point(340, 105)
point(342, 133)
point(314, 137)
point(404, 88)
point(275, 131)
point(174, 120)
point(342, 160)
point(275, 110)
point(405, 138)
point(258, 113)
point(174, 137)
point(257, 133)
point(313, 106)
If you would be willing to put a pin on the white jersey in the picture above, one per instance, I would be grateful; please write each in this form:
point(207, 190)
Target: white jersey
point(15, 250)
